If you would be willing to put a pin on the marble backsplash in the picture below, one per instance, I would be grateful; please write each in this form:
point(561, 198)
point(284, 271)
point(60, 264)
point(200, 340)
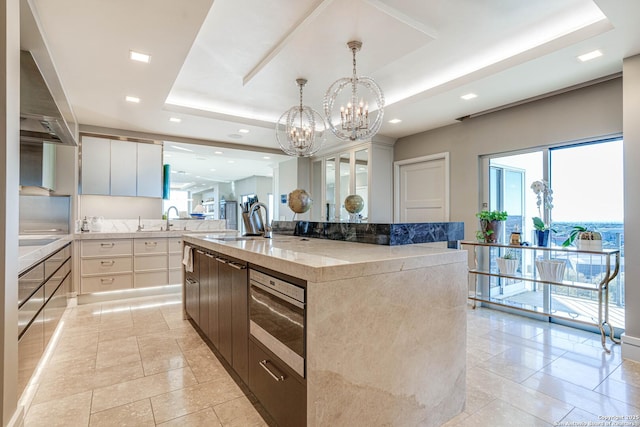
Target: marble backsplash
point(131, 225)
point(378, 234)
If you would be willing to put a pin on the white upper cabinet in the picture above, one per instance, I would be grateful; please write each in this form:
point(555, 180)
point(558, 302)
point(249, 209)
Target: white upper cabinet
point(149, 170)
point(96, 166)
point(123, 168)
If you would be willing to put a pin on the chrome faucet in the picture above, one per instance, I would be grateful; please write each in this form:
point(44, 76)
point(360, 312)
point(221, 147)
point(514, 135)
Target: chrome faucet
point(267, 229)
point(177, 214)
point(140, 226)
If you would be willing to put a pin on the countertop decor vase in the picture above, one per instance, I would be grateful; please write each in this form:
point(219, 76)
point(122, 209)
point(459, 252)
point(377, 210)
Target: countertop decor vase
point(542, 238)
point(491, 230)
point(551, 270)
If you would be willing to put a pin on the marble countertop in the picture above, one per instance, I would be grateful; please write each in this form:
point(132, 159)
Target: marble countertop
point(319, 260)
point(90, 235)
point(30, 255)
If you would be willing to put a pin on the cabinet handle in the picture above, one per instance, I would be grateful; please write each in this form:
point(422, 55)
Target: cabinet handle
point(200, 252)
point(107, 280)
point(151, 243)
point(236, 266)
point(277, 377)
point(109, 263)
point(222, 260)
point(107, 245)
point(209, 256)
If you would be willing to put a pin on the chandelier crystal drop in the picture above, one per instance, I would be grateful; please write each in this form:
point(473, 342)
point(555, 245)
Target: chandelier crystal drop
point(300, 131)
point(355, 121)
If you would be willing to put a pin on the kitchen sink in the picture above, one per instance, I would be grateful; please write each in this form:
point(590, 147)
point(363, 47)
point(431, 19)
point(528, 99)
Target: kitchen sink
point(35, 242)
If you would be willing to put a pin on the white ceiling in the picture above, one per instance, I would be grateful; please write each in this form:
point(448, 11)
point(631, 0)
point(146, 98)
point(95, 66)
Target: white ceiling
point(226, 64)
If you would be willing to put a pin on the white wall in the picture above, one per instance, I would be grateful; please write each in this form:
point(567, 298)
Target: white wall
point(631, 108)
point(9, 177)
point(287, 182)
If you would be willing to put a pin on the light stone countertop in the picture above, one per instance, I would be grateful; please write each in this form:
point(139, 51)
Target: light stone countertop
point(320, 260)
point(92, 235)
point(31, 255)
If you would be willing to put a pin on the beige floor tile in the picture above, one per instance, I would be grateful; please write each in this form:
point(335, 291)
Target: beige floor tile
point(526, 399)
point(628, 372)
point(203, 418)
point(455, 421)
point(501, 414)
point(115, 352)
point(238, 413)
point(72, 410)
point(622, 391)
point(75, 381)
point(141, 388)
point(577, 396)
point(136, 414)
point(204, 364)
point(581, 370)
point(162, 363)
point(194, 398)
point(477, 399)
point(579, 416)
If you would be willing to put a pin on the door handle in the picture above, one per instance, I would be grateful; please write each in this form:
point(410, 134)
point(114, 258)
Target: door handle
point(277, 377)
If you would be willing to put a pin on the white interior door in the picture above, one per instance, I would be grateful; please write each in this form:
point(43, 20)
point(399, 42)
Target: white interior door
point(422, 189)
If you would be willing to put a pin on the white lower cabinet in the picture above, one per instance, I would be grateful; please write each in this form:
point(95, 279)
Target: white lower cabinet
point(116, 264)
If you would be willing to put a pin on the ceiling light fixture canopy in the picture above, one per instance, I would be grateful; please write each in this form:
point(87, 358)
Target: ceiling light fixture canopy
point(354, 122)
point(300, 131)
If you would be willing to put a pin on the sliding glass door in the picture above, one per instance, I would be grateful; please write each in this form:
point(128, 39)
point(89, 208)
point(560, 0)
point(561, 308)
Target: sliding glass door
point(587, 184)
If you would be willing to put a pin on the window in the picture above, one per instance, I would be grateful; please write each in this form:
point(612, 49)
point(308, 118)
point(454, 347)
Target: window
point(587, 184)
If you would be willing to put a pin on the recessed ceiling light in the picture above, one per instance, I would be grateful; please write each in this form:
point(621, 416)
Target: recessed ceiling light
point(212, 170)
point(180, 148)
point(469, 96)
point(394, 121)
point(243, 130)
point(175, 119)
point(134, 99)
point(230, 161)
point(589, 56)
point(140, 57)
point(217, 152)
point(266, 157)
point(201, 158)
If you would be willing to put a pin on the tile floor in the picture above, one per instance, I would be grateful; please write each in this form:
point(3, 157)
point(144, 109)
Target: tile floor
point(138, 363)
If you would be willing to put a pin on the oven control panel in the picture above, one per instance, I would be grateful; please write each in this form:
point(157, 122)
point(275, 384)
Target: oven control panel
point(281, 286)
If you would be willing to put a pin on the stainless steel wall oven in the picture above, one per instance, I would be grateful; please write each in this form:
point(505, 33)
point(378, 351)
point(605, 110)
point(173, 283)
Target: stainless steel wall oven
point(277, 319)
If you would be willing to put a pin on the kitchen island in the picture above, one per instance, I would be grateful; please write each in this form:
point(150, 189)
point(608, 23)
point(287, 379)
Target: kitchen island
point(385, 326)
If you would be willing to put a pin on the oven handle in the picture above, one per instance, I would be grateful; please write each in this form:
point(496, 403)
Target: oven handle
point(263, 363)
point(279, 295)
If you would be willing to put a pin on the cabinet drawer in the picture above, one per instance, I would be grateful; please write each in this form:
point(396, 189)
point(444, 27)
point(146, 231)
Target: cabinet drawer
point(106, 265)
point(175, 244)
point(54, 281)
point(149, 246)
point(175, 277)
point(285, 398)
point(30, 349)
point(106, 283)
point(175, 260)
point(29, 282)
point(150, 279)
point(56, 260)
point(150, 262)
point(106, 247)
point(29, 309)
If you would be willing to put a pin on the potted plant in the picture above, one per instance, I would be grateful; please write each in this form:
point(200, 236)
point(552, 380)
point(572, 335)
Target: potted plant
point(584, 239)
point(507, 263)
point(544, 194)
point(490, 225)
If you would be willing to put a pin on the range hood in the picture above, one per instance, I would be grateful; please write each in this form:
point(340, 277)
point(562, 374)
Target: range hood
point(40, 118)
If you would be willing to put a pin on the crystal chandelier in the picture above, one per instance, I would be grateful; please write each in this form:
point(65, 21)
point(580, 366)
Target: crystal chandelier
point(300, 131)
point(355, 120)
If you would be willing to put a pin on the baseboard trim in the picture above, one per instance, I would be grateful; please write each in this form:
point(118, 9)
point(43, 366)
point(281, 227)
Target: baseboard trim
point(630, 347)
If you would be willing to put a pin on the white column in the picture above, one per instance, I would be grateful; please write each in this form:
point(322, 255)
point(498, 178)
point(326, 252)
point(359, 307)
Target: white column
point(631, 132)
point(9, 175)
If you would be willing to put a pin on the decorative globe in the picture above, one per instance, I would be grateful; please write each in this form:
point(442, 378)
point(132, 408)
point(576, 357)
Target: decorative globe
point(354, 204)
point(299, 201)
